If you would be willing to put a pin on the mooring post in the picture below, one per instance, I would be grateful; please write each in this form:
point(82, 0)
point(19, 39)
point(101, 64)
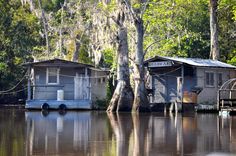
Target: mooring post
point(28, 85)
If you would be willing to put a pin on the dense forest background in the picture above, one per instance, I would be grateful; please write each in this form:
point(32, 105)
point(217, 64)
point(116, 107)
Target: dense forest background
point(85, 31)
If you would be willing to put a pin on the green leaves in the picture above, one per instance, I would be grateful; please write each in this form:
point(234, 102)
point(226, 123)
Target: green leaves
point(178, 26)
point(18, 35)
point(108, 7)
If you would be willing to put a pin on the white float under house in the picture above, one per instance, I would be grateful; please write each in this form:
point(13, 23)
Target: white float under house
point(61, 84)
point(186, 81)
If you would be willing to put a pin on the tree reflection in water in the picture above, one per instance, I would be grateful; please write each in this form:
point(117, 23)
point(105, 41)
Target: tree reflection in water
point(122, 127)
point(131, 133)
point(140, 133)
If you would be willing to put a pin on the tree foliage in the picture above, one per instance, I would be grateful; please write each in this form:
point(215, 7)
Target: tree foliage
point(179, 28)
point(18, 36)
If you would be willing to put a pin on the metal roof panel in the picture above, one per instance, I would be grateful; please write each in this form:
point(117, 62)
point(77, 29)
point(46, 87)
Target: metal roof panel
point(196, 62)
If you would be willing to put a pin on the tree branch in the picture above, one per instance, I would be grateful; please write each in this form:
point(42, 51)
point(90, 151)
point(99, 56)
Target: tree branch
point(144, 9)
point(149, 46)
point(145, 27)
point(133, 14)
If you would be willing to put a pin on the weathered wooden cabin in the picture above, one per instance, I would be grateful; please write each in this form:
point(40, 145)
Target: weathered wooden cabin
point(186, 80)
point(64, 84)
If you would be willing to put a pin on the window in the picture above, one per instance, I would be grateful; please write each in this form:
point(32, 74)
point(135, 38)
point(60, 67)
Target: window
point(209, 79)
point(102, 80)
point(52, 76)
point(219, 79)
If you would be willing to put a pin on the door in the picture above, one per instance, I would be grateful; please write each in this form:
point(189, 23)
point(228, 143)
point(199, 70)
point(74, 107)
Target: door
point(81, 87)
point(160, 92)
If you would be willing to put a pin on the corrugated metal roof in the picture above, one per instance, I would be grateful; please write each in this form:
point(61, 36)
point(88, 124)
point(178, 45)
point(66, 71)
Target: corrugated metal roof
point(60, 61)
point(197, 62)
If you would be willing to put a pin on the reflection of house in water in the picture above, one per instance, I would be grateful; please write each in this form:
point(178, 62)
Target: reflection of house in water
point(67, 134)
point(89, 133)
point(56, 133)
point(208, 135)
point(227, 128)
point(172, 135)
point(193, 135)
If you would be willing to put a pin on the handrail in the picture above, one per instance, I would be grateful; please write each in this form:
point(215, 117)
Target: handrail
point(226, 87)
point(225, 84)
point(233, 85)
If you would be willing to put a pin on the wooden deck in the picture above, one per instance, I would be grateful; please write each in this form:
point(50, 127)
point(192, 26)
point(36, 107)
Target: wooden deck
point(228, 109)
point(54, 104)
point(227, 105)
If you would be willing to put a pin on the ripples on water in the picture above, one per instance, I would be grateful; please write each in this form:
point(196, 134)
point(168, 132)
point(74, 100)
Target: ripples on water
point(100, 134)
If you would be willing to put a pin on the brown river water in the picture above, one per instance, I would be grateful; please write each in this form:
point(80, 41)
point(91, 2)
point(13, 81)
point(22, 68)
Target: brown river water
point(90, 133)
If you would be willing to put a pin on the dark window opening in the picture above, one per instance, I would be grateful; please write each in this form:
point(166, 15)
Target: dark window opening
point(188, 71)
point(210, 79)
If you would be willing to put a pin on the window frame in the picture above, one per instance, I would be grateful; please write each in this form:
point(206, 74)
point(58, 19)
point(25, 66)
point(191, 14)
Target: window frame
point(209, 85)
point(47, 76)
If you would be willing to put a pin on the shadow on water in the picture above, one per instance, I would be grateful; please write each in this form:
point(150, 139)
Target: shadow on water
point(124, 134)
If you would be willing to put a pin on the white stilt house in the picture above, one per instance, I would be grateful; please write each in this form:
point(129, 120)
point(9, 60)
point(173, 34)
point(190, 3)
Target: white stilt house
point(64, 84)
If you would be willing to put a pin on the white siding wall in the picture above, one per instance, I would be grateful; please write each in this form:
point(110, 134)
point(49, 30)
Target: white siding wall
point(49, 92)
point(209, 94)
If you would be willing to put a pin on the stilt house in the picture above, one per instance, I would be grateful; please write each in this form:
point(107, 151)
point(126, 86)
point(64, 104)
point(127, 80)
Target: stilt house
point(64, 84)
point(186, 80)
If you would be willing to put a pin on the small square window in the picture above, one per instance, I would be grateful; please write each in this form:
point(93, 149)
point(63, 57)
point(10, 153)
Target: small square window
point(210, 79)
point(52, 76)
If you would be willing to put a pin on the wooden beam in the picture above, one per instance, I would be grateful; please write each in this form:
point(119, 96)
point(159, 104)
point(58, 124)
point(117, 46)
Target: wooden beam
point(182, 75)
point(218, 100)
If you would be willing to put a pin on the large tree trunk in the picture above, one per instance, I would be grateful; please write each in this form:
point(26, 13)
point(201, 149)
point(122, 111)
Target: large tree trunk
point(61, 29)
point(122, 98)
point(215, 52)
point(75, 57)
point(45, 26)
point(141, 102)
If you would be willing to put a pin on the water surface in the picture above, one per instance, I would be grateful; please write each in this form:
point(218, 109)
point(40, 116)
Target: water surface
point(91, 133)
